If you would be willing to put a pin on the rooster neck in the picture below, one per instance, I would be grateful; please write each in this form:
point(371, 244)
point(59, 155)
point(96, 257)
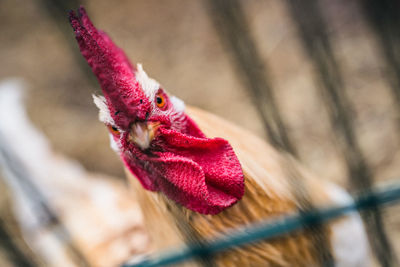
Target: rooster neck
point(267, 196)
point(171, 225)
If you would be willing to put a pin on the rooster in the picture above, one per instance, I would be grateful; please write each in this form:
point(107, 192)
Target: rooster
point(191, 183)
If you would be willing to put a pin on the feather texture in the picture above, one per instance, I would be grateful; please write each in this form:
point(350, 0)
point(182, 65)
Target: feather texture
point(269, 193)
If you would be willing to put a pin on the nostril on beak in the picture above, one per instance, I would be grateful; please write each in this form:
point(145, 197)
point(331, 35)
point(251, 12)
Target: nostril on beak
point(142, 133)
point(139, 135)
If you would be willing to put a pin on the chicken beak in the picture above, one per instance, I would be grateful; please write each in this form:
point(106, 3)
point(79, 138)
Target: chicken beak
point(142, 133)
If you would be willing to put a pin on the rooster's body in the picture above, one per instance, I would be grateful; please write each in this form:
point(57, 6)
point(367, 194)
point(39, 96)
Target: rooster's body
point(269, 193)
point(200, 185)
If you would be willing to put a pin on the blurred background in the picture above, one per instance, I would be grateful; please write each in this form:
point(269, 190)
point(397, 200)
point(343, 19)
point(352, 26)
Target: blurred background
point(319, 79)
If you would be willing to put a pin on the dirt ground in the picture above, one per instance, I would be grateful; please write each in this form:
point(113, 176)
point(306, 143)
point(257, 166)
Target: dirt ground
point(177, 44)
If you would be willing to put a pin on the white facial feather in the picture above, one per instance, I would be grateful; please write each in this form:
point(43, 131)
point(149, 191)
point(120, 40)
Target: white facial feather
point(150, 88)
point(179, 105)
point(149, 85)
point(116, 146)
point(104, 112)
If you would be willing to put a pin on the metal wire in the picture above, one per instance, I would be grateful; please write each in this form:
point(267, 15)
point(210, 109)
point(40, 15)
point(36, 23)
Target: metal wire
point(273, 229)
point(49, 218)
point(8, 244)
point(312, 29)
point(231, 24)
point(384, 18)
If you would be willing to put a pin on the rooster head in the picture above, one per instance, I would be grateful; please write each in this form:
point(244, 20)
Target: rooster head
point(154, 137)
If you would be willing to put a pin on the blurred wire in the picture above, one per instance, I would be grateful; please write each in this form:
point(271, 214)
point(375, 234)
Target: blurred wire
point(231, 24)
point(318, 232)
point(276, 228)
point(384, 17)
point(48, 218)
point(12, 239)
point(57, 10)
point(16, 255)
point(312, 29)
point(189, 234)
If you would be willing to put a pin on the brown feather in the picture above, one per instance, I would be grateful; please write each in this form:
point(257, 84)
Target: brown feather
point(269, 193)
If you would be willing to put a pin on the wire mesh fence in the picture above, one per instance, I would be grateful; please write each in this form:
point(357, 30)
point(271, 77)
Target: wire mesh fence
point(274, 229)
point(232, 27)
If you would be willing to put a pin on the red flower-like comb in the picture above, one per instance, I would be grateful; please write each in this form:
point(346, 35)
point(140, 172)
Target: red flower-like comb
point(111, 67)
point(200, 173)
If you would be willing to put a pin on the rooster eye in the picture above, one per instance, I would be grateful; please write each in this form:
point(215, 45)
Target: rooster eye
point(113, 129)
point(160, 100)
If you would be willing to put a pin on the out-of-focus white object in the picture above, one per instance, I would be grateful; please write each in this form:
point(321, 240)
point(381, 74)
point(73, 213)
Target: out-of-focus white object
point(100, 218)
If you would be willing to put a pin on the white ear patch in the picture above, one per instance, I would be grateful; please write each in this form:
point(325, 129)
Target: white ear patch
point(179, 105)
point(149, 85)
point(104, 112)
point(114, 145)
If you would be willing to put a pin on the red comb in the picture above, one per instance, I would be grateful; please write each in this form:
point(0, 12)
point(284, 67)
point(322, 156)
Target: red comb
point(110, 65)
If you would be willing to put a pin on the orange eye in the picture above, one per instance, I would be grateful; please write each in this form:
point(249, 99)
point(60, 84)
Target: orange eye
point(160, 101)
point(113, 129)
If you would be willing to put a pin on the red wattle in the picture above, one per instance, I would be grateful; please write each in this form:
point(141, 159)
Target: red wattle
point(200, 173)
